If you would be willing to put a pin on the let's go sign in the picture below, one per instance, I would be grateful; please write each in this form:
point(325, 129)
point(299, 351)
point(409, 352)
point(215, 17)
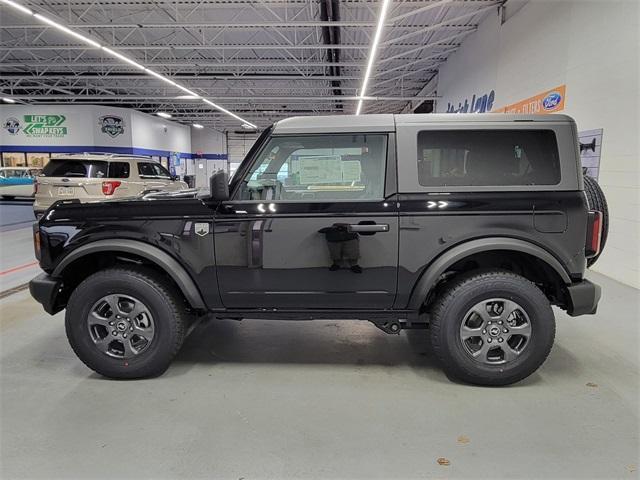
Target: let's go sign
point(550, 101)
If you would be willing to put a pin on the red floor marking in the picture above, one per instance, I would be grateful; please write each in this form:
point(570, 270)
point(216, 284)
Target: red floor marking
point(16, 269)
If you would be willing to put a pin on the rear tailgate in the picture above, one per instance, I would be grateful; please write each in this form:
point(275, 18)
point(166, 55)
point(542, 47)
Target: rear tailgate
point(72, 178)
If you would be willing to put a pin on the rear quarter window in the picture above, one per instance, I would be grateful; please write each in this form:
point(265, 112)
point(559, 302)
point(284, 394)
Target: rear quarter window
point(152, 170)
point(487, 158)
point(119, 170)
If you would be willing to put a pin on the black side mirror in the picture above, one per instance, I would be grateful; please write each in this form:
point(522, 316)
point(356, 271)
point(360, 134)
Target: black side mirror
point(219, 185)
point(175, 178)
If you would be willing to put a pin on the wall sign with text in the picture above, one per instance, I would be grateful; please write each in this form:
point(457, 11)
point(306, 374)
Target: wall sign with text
point(550, 101)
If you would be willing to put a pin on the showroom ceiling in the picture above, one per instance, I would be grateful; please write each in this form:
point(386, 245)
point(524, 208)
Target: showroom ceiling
point(262, 60)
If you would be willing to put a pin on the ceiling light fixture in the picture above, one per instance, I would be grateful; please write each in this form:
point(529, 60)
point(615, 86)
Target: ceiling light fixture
point(125, 59)
point(224, 110)
point(8, 100)
point(113, 53)
point(197, 125)
point(372, 53)
point(163, 114)
point(187, 97)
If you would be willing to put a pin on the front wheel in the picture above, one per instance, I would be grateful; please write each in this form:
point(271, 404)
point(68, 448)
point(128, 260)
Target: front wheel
point(125, 322)
point(492, 328)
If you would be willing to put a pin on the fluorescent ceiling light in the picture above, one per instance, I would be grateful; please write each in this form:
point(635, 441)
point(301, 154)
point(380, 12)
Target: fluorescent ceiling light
point(187, 97)
point(161, 77)
point(372, 53)
point(224, 110)
point(197, 125)
point(17, 6)
point(191, 94)
point(163, 114)
point(187, 91)
point(66, 30)
point(113, 53)
point(8, 100)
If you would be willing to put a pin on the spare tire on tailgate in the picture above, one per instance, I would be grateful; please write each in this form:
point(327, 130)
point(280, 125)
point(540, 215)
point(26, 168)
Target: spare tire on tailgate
point(597, 201)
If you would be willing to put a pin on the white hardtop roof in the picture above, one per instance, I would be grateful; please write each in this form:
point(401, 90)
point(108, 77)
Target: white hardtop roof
point(388, 122)
point(98, 156)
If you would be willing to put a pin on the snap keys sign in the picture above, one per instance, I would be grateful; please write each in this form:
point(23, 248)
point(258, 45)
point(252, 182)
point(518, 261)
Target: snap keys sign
point(44, 126)
point(550, 101)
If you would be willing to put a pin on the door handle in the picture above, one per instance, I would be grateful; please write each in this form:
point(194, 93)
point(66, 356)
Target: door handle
point(369, 228)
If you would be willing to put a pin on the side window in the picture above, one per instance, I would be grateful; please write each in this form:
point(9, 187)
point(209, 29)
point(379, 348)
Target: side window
point(152, 170)
point(318, 168)
point(118, 170)
point(487, 158)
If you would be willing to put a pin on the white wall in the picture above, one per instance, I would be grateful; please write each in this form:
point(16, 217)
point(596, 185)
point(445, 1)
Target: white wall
point(82, 124)
point(84, 129)
point(592, 46)
point(155, 133)
point(208, 141)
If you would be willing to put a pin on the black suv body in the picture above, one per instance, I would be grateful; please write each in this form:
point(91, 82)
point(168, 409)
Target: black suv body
point(470, 225)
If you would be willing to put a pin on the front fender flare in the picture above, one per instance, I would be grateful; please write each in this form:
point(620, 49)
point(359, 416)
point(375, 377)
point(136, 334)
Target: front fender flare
point(450, 257)
point(162, 259)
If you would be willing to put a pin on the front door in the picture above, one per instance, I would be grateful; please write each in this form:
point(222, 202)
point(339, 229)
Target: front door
point(310, 227)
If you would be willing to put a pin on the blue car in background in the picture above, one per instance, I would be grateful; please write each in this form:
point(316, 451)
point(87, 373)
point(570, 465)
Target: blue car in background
point(17, 182)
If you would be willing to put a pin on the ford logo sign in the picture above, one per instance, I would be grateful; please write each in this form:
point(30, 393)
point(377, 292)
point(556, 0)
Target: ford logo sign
point(551, 101)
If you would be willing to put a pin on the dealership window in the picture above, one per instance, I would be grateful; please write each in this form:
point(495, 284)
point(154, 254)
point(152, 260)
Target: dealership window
point(318, 167)
point(487, 158)
point(13, 159)
point(37, 160)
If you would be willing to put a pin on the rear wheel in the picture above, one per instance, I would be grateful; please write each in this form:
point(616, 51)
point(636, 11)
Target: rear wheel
point(125, 323)
point(492, 328)
point(597, 201)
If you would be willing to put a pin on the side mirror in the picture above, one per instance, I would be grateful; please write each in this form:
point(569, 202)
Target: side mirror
point(175, 178)
point(219, 185)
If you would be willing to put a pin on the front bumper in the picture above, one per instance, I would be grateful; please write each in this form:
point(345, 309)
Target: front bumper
point(583, 298)
point(45, 289)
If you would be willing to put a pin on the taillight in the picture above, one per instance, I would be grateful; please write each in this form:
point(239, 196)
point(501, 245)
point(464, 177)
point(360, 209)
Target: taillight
point(594, 234)
point(36, 240)
point(109, 186)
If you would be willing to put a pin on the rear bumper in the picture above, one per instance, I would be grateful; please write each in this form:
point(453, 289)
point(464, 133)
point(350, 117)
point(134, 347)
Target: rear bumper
point(583, 298)
point(45, 289)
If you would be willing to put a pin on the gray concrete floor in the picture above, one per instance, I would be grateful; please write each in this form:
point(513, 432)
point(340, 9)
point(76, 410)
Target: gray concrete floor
point(323, 399)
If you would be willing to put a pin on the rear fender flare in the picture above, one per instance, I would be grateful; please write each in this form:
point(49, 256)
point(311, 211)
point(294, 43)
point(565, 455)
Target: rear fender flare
point(153, 254)
point(431, 275)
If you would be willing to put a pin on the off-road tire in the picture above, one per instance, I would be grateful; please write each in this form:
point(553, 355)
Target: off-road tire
point(597, 201)
point(448, 313)
point(166, 307)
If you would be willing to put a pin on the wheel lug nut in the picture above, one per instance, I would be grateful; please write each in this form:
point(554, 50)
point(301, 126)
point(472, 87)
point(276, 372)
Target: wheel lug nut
point(499, 340)
point(505, 330)
point(125, 336)
point(488, 340)
point(500, 322)
point(110, 323)
point(131, 329)
point(484, 332)
point(114, 333)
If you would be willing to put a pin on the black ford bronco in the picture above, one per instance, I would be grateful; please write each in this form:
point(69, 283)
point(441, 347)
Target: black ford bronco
point(471, 226)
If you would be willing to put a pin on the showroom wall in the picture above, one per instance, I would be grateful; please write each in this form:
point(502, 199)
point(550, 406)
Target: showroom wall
point(590, 49)
point(70, 128)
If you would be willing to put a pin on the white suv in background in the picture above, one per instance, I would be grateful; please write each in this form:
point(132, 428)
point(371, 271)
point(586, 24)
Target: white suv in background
point(97, 177)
